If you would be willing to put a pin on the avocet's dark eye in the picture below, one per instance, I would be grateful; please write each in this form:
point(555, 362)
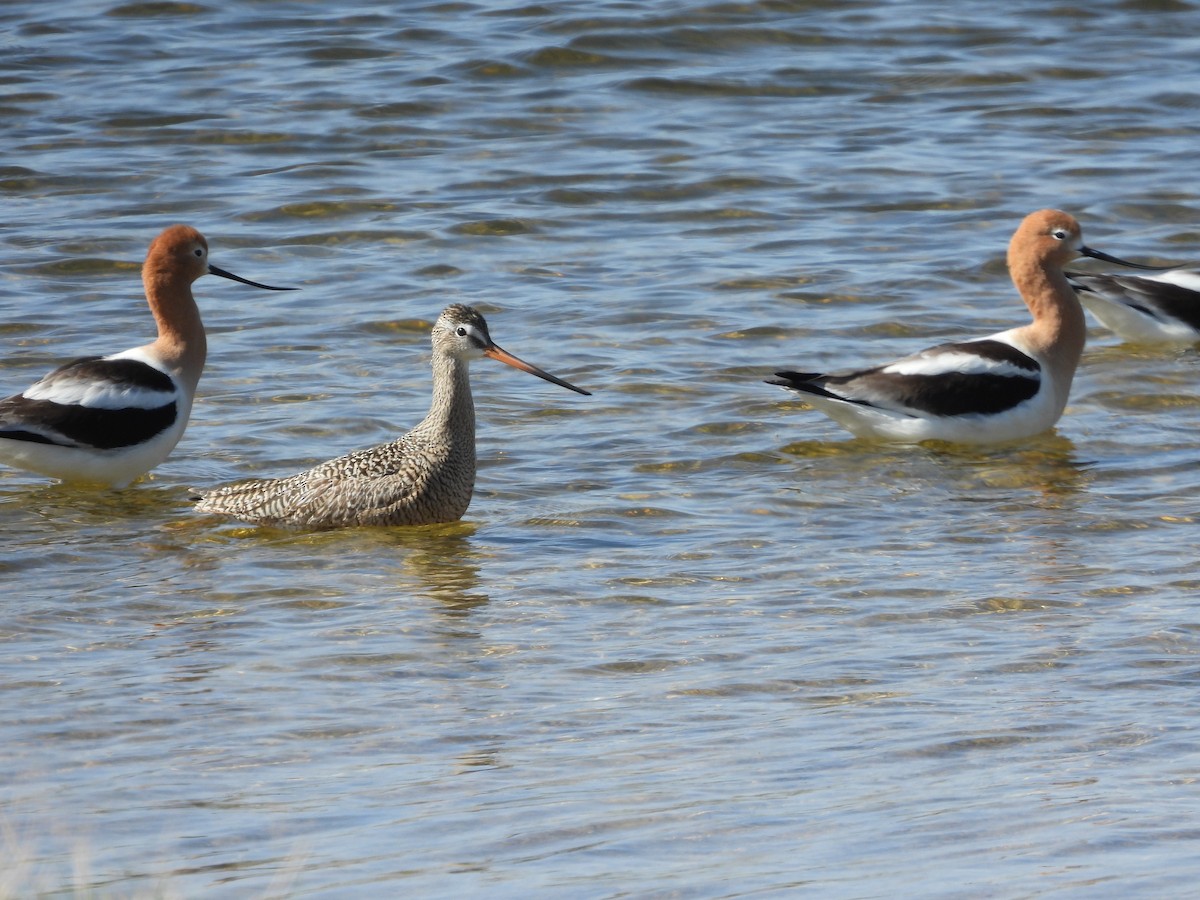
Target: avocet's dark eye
point(199, 251)
point(1059, 234)
point(460, 331)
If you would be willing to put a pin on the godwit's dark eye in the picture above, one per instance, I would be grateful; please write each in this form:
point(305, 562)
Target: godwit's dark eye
point(460, 331)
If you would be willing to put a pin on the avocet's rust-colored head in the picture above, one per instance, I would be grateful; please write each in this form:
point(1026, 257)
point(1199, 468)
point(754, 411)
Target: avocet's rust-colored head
point(1053, 237)
point(1046, 237)
point(461, 331)
point(180, 254)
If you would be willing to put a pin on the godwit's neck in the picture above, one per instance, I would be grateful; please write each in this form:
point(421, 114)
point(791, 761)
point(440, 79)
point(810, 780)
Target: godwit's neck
point(181, 344)
point(452, 411)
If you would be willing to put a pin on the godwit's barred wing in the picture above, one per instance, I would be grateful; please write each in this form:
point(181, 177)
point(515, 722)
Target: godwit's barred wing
point(409, 481)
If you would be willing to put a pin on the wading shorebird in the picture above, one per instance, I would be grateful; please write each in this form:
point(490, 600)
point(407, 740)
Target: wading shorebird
point(109, 419)
point(423, 478)
point(998, 388)
point(1144, 309)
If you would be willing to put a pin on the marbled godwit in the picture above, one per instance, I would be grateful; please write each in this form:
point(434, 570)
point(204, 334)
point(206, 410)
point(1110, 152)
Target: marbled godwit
point(425, 477)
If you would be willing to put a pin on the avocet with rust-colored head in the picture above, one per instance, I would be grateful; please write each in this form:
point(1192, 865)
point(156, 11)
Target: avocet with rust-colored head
point(110, 419)
point(1003, 387)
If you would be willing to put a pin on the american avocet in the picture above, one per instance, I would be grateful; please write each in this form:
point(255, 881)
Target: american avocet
point(1147, 309)
point(425, 477)
point(1002, 387)
point(109, 419)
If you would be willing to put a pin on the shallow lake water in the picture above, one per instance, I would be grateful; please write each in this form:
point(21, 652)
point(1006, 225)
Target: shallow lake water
point(691, 639)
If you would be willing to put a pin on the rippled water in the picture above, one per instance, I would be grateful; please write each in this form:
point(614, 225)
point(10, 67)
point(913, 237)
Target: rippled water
point(691, 639)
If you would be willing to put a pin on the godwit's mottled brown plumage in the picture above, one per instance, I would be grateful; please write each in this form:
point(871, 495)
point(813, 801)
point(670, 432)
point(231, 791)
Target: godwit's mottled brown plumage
point(425, 477)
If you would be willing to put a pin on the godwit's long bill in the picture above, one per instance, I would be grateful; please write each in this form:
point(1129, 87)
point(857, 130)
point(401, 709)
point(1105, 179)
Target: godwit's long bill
point(425, 477)
point(491, 351)
point(1163, 308)
point(998, 388)
point(110, 419)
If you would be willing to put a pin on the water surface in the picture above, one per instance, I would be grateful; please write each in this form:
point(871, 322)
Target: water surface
point(691, 639)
